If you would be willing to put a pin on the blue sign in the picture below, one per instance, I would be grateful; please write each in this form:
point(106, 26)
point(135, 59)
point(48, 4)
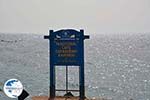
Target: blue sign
point(66, 47)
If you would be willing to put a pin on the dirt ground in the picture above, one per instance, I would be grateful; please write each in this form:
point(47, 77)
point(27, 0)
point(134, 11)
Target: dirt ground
point(62, 98)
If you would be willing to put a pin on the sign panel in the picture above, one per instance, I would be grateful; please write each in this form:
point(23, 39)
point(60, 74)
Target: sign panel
point(66, 47)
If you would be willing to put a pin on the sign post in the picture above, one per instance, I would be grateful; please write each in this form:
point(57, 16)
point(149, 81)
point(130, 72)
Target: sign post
point(66, 49)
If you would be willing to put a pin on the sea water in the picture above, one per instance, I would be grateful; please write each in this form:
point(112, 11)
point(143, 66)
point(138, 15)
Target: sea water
point(117, 66)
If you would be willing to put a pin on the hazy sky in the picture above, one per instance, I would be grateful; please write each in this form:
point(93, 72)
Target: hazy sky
point(95, 16)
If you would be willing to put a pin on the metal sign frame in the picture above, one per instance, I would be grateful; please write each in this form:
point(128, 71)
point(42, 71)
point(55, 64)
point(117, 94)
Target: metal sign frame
point(66, 48)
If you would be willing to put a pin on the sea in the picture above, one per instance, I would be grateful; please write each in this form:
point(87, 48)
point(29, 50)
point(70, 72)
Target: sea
point(117, 66)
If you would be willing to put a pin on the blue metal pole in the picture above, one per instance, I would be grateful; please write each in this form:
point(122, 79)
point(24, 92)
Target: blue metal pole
point(81, 69)
point(66, 79)
point(52, 70)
